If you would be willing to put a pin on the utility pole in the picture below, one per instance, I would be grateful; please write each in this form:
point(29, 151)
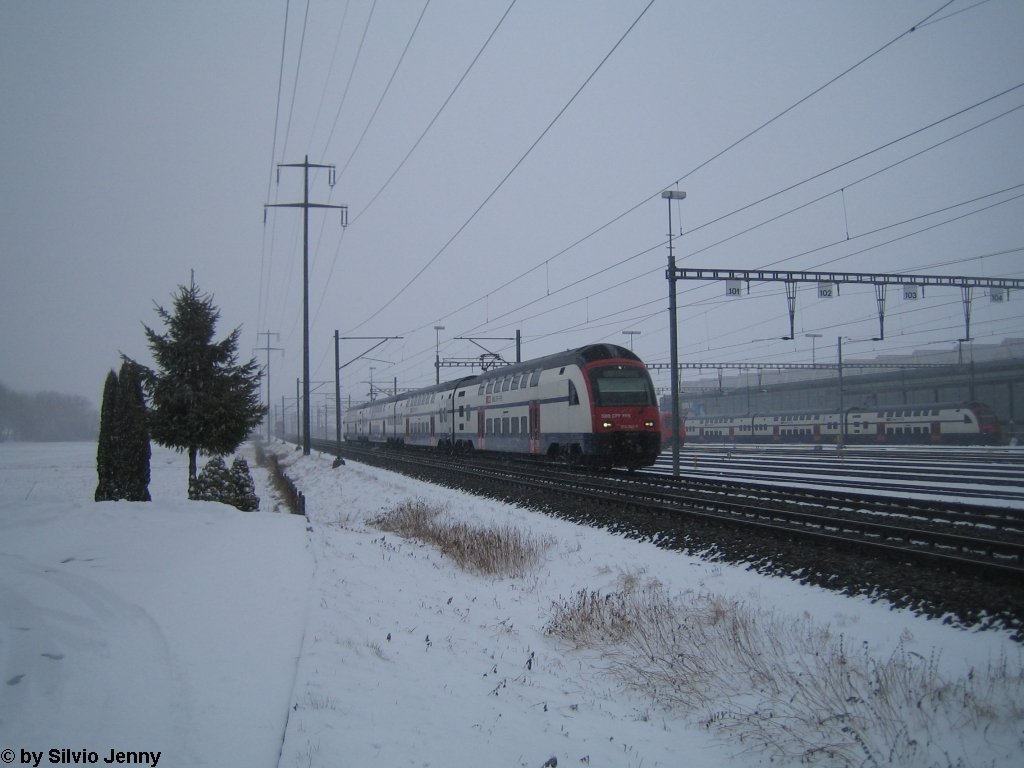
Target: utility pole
point(337, 371)
point(268, 349)
point(305, 205)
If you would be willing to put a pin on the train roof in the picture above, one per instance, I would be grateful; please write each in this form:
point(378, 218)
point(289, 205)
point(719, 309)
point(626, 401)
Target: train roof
point(579, 356)
point(849, 409)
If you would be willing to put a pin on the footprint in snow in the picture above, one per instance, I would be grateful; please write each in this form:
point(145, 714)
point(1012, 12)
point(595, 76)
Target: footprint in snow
point(15, 680)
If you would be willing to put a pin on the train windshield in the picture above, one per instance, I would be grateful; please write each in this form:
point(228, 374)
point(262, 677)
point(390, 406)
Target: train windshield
point(621, 385)
point(985, 414)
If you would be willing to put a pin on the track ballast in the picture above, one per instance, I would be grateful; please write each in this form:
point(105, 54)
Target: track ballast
point(961, 561)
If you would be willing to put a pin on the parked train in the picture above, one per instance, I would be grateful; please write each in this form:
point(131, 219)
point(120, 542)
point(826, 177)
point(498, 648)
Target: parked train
point(592, 406)
point(666, 429)
point(926, 423)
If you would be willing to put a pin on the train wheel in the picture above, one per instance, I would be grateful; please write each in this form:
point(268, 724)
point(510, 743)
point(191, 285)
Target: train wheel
point(571, 456)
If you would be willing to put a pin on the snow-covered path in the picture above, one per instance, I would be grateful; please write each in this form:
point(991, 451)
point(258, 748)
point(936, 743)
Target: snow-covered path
point(172, 626)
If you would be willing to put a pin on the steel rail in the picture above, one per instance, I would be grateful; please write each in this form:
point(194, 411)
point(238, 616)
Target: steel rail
point(835, 518)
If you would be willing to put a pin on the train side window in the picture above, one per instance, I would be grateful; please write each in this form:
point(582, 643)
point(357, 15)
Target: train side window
point(515, 426)
point(574, 398)
point(535, 379)
point(490, 387)
point(515, 382)
point(967, 418)
point(522, 424)
point(561, 370)
point(481, 390)
point(490, 427)
point(505, 383)
point(504, 425)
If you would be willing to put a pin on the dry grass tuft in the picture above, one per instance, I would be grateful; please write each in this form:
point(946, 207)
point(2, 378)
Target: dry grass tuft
point(501, 551)
point(792, 688)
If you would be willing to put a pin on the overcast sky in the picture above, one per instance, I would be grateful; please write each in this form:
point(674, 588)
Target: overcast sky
point(502, 166)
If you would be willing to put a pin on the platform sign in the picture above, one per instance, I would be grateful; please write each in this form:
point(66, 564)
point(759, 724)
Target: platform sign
point(911, 292)
point(826, 290)
point(733, 288)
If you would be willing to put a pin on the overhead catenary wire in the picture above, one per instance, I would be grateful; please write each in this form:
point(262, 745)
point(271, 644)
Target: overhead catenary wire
point(508, 175)
point(546, 262)
point(549, 292)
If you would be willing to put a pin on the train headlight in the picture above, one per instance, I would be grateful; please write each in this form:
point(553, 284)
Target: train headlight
point(649, 424)
point(606, 424)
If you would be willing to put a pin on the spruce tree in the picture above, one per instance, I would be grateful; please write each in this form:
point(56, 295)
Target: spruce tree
point(106, 443)
point(201, 398)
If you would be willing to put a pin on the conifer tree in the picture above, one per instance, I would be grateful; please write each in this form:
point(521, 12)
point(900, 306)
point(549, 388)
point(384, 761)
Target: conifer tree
point(243, 489)
point(106, 443)
point(133, 440)
point(201, 398)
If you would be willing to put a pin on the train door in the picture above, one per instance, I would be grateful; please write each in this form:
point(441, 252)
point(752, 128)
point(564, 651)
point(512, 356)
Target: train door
point(480, 427)
point(534, 426)
point(432, 429)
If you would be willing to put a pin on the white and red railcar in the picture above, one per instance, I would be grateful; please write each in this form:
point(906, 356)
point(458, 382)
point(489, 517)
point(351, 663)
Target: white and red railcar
point(593, 406)
point(926, 423)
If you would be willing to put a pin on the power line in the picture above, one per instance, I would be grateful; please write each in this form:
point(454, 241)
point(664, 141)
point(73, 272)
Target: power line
point(739, 141)
point(330, 69)
point(511, 171)
point(351, 74)
point(763, 199)
point(273, 154)
point(295, 85)
point(784, 213)
point(384, 93)
point(437, 114)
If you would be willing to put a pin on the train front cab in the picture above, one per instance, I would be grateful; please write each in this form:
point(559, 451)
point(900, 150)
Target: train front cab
point(626, 427)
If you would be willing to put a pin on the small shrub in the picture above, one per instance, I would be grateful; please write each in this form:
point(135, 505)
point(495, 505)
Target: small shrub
point(243, 489)
point(501, 551)
point(792, 688)
point(217, 483)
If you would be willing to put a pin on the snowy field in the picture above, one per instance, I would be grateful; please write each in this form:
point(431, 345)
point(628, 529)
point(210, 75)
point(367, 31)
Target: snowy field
point(223, 638)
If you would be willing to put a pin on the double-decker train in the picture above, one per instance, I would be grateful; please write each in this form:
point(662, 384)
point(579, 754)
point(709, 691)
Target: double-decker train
point(593, 406)
point(925, 423)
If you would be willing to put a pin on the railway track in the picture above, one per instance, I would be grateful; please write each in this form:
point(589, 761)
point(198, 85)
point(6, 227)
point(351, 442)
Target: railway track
point(943, 474)
point(964, 535)
point(953, 559)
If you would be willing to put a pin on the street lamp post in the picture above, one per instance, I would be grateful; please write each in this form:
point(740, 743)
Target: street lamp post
point(670, 195)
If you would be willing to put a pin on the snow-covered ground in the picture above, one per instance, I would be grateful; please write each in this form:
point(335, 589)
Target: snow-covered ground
point(218, 637)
